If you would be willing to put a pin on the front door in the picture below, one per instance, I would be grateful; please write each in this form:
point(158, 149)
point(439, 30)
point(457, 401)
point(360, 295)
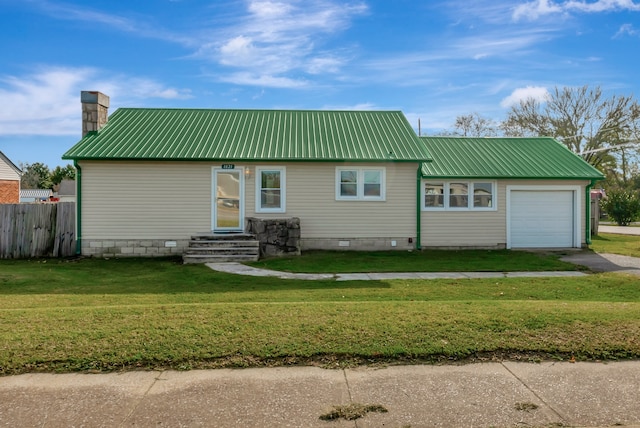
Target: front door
point(228, 201)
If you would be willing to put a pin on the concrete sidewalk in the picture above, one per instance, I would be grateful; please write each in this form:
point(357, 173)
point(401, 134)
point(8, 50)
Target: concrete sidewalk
point(506, 394)
point(240, 269)
point(620, 230)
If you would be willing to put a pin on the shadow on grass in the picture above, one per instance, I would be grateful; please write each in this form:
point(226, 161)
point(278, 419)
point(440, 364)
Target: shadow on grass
point(143, 276)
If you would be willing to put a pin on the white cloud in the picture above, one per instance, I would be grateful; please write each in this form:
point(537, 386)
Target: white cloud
point(539, 93)
point(264, 80)
point(538, 8)
point(627, 29)
point(274, 39)
point(359, 106)
point(47, 102)
point(321, 65)
point(533, 10)
point(137, 26)
point(602, 5)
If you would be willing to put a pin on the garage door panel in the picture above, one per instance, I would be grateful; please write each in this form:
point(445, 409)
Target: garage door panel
point(542, 219)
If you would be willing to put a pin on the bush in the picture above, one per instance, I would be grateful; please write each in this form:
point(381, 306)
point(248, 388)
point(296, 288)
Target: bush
point(622, 206)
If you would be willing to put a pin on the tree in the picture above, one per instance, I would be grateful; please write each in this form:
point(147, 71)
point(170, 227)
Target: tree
point(582, 118)
point(35, 176)
point(38, 176)
point(474, 125)
point(622, 206)
point(60, 173)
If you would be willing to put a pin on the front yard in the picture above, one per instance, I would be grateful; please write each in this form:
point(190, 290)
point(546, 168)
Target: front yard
point(134, 313)
point(626, 245)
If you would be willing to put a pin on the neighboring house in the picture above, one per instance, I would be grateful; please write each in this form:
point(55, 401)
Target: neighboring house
point(10, 176)
point(66, 191)
point(35, 195)
point(151, 178)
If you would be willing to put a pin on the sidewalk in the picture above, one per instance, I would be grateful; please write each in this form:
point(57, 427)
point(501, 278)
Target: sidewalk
point(506, 394)
point(240, 269)
point(620, 230)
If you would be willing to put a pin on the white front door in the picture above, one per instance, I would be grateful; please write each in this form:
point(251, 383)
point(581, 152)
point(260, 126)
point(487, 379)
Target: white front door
point(228, 200)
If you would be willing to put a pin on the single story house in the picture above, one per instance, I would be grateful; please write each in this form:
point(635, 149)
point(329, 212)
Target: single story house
point(66, 191)
point(149, 179)
point(10, 176)
point(35, 195)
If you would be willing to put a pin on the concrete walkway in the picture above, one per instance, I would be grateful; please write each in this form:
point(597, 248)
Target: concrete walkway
point(620, 230)
point(506, 394)
point(240, 269)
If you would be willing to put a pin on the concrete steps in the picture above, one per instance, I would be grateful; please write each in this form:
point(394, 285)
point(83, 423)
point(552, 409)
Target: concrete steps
point(222, 247)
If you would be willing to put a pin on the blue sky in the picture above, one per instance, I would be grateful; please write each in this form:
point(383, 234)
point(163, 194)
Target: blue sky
point(434, 60)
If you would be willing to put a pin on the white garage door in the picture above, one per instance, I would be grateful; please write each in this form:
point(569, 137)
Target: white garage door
point(542, 219)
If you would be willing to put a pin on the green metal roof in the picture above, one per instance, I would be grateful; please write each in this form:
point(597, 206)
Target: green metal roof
point(536, 158)
point(281, 135)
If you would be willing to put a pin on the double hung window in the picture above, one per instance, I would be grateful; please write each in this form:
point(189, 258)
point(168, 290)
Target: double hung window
point(270, 190)
point(360, 184)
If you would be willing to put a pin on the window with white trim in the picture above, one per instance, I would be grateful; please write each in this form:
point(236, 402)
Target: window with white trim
point(360, 184)
point(270, 190)
point(458, 195)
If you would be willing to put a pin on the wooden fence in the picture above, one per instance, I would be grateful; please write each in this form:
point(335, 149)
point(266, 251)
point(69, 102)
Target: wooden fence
point(37, 230)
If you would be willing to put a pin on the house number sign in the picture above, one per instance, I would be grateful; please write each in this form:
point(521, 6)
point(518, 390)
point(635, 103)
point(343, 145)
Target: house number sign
point(228, 166)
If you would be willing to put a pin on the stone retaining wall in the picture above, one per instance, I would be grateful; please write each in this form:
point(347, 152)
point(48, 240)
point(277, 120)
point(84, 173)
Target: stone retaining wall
point(277, 237)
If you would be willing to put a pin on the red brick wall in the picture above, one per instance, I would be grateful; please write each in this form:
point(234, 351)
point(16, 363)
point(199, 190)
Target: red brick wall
point(9, 192)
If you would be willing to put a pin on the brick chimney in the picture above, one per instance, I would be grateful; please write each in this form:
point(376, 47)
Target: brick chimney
point(95, 107)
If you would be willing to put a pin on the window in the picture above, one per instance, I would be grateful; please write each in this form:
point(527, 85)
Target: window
point(458, 195)
point(482, 195)
point(270, 190)
point(434, 195)
point(360, 184)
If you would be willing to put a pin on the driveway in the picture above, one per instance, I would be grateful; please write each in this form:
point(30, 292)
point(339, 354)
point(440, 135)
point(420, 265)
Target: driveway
point(605, 262)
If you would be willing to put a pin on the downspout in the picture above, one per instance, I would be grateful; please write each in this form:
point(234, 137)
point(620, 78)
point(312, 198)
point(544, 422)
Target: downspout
point(78, 208)
point(418, 211)
point(587, 210)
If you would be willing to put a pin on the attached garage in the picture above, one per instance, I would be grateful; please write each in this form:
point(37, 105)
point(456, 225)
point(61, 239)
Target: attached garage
point(504, 193)
point(543, 217)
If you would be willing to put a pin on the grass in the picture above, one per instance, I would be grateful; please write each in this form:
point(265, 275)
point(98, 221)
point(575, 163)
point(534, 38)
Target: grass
point(626, 245)
point(140, 313)
point(417, 261)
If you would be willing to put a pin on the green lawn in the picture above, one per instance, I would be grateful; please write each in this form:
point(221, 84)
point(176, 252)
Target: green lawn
point(626, 245)
point(416, 261)
point(137, 313)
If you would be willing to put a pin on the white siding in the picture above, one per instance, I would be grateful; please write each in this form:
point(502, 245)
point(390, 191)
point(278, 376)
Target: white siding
point(172, 200)
point(481, 228)
point(311, 197)
point(145, 200)
point(7, 172)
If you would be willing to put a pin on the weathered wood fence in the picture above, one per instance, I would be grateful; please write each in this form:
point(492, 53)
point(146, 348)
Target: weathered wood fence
point(37, 230)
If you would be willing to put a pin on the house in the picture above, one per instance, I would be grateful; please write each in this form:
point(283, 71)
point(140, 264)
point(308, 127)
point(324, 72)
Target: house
point(149, 179)
point(66, 191)
point(35, 195)
point(10, 176)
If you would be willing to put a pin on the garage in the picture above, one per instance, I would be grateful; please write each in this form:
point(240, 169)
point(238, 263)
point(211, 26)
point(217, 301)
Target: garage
point(543, 218)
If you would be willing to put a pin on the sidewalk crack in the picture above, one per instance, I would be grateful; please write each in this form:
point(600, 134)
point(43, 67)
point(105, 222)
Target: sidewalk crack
point(557, 413)
point(142, 397)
